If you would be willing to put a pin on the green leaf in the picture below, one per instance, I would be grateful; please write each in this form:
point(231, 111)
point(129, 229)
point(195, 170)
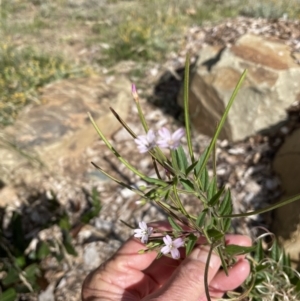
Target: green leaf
point(186, 92)
point(175, 164)
point(64, 222)
point(9, 295)
point(43, 251)
point(31, 272)
point(191, 167)
point(12, 276)
point(259, 252)
point(226, 204)
point(213, 201)
point(204, 179)
point(261, 267)
point(201, 218)
point(174, 225)
point(181, 158)
point(275, 251)
point(226, 224)
point(96, 207)
point(200, 162)
point(234, 250)
point(222, 121)
point(192, 239)
point(67, 242)
point(20, 261)
point(212, 189)
point(187, 184)
point(214, 234)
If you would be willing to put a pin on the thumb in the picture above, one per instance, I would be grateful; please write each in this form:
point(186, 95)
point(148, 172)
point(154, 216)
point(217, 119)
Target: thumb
point(187, 282)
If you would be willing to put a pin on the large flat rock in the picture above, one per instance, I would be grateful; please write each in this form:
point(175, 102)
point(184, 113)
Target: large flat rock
point(59, 128)
point(271, 86)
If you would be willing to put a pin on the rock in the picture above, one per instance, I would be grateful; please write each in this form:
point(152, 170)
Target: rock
point(271, 86)
point(48, 294)
point(286, 219)
point(97, 252)
point(58, 131)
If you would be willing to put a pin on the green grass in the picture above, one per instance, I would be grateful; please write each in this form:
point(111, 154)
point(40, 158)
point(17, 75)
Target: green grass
point(25, 70)
point(138, 30)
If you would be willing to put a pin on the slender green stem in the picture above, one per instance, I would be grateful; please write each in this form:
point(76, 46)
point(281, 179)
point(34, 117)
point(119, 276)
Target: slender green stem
point(140, 112)
point(129, 166)
point(124, 124)
point(186, 106)
point(222, 121)
point(118, 181)
point(206, 271)
point(266, 209)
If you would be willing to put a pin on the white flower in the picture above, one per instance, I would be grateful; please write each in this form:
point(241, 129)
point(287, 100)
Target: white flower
point(169, 140)
point(146, 142)
point(172, 246)
point(143, 233)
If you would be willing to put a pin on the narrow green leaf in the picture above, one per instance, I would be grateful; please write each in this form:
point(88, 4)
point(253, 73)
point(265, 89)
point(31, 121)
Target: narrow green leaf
point(214, 234)
point(200, 162)
point(181, 159)
point(67, 242)
point(95, 207)
point(187, 184)
point(213, 201)
point(275, 251)
point(267, 208)
point(259, 252)
point(192, 239)
point(204, 179)
point(20, 261)
point(212, 189)
point(234, 250)
point(226, 224)
point(64, 222)
point(226, 205)
point(43, 251)
point(222, 121)
point(12, 276)
point(121, 159)
point(201, 218)
point(186, 106)
point(175, 163)
point(190, 168)
point(32, 272)
point(260, 268)
point(9, 295)
point(174, 224)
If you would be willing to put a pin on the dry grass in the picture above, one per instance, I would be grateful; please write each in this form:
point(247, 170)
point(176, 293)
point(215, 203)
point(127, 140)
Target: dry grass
point(102, 33)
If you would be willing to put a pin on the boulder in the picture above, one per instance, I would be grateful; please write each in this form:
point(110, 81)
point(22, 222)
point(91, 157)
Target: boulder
point(271, 86)
point(59, 129)
point(286, 219)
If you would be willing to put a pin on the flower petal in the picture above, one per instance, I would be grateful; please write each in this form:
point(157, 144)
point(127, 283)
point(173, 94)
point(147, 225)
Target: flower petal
point(175, 253)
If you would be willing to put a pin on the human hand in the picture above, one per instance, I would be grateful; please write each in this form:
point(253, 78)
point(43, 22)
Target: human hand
point(131, 276)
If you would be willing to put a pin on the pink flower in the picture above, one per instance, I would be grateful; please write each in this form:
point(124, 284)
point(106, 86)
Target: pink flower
point(169, 140)
point(172, 246)
point(146, 142)
point(133, 91)
point(143, 233)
